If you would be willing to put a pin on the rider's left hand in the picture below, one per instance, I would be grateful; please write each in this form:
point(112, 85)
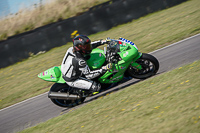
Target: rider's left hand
point(107, 67)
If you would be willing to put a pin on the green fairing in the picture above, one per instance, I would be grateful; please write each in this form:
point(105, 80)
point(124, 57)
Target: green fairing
point(97, 58)
point(128, 53)
point(52, 74)
point(136, 65)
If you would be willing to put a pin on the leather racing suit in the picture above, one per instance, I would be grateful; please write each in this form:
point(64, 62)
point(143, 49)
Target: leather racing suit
point(74, 65)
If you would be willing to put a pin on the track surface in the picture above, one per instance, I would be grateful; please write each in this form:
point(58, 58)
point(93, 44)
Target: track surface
point(39, 109)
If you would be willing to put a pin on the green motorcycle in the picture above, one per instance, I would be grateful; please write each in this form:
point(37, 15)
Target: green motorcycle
point(126, 60)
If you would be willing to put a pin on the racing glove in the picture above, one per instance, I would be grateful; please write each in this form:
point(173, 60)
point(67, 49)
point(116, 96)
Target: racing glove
point(107, 67)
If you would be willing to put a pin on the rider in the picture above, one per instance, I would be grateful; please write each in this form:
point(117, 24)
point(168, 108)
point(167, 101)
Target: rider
point(74, 64)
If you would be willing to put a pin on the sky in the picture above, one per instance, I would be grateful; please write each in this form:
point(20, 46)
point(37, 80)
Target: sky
point(13, 6)
point(16, 5)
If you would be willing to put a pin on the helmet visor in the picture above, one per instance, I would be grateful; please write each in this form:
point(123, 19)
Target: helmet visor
point(87, 48)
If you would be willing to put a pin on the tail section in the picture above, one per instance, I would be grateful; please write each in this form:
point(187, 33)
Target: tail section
point(52, 74)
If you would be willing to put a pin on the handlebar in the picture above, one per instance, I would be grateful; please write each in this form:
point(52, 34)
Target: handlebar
point(112, 56)
point(113, 48)
point(120, 49)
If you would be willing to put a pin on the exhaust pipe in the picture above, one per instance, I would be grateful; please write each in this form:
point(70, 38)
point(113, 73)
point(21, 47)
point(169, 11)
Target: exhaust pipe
point(64, 96)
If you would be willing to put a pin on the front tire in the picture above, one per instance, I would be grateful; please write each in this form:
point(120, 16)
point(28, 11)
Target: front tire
point(150, 66)
point(62, 102)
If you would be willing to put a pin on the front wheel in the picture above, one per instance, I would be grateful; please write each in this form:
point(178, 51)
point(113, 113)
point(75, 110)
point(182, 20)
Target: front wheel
point(62, 102)
point(150, 66)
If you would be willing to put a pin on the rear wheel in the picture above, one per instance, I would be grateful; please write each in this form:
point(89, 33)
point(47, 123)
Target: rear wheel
point(150, 66)
point(63, 102)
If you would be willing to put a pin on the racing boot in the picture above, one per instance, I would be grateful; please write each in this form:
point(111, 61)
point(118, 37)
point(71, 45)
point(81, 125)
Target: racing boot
point(95, 88)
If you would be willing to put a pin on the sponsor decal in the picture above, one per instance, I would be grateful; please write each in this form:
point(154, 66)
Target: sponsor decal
point(125, 54)
point(122, 67)
point(116, 78)
point(100, 55)
point(52, 77)
point(127, 41)
point(44, 73)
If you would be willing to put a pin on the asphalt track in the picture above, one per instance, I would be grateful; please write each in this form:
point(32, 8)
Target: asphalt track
point(39, 109)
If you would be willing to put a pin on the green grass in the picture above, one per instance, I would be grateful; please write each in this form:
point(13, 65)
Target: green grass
point(19, 81)
point(167, 103)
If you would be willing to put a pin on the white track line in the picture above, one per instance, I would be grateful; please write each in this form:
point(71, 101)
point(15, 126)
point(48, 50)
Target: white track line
point(24, 101)
point(149, 53)
point(175, 43)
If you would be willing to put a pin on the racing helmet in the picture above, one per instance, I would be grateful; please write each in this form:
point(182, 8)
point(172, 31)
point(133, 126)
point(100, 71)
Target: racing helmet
point(82, 44)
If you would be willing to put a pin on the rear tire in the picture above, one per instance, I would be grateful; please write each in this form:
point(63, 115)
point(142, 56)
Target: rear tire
point(150, 66)
point(57, 87)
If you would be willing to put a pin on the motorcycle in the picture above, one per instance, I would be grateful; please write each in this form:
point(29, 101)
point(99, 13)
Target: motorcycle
point(127, 62)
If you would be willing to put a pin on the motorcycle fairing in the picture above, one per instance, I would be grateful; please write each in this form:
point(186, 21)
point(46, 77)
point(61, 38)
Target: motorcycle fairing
point(129, 54)
point(97, 59)
point(52, 74)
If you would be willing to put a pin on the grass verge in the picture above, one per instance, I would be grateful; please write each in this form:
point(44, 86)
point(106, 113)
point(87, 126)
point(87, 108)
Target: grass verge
point(167, 103)
point(19, 81)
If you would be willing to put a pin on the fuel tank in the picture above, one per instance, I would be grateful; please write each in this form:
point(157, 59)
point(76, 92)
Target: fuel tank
point(97, 59)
